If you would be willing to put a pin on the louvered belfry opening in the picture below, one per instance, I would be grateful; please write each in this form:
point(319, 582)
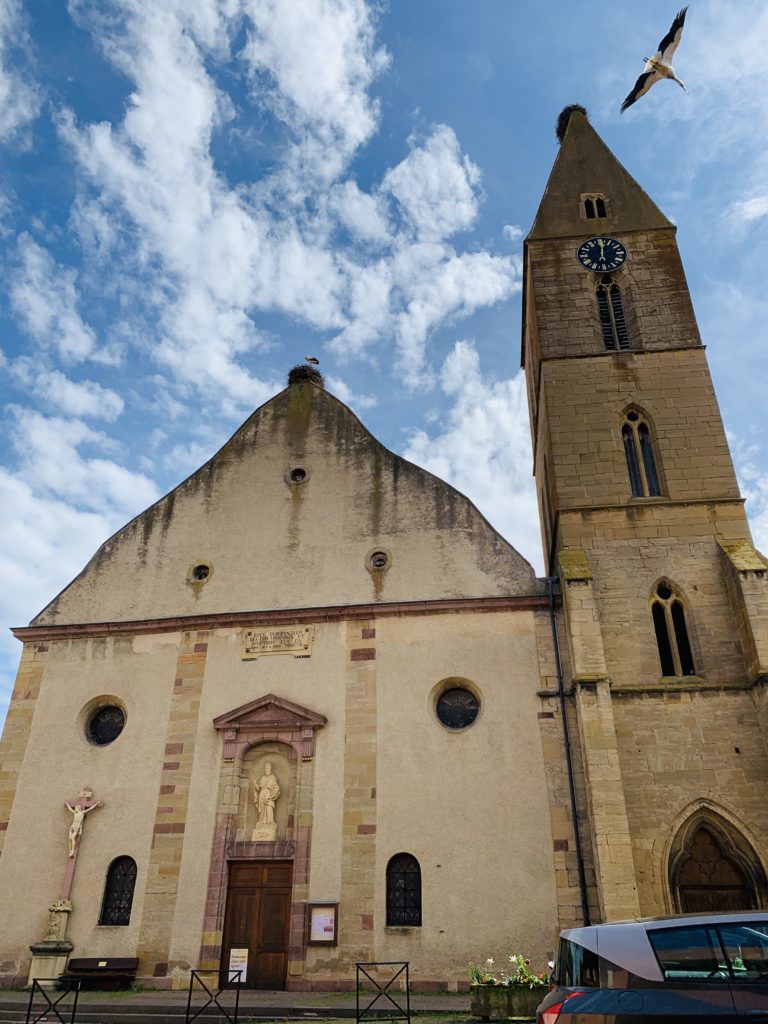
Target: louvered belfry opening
point(613, 321)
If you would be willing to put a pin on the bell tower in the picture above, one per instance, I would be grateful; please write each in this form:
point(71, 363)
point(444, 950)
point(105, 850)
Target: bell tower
point(664, 599)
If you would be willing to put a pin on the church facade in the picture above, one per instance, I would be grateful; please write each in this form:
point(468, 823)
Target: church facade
point(310, 709)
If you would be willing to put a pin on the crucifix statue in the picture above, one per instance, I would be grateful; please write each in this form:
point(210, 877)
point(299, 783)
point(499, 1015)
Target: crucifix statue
point(49, 956)
point(81, 805)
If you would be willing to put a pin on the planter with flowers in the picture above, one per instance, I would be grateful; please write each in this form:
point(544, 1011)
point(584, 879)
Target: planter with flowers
point(513, 992)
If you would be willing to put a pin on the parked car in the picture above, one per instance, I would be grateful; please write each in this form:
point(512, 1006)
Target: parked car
point(698, 967)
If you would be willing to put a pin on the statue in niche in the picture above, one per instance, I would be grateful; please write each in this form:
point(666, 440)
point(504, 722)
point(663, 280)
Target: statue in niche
point(265, 794)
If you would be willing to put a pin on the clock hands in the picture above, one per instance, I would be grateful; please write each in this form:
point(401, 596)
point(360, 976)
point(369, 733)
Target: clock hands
point(601, 255)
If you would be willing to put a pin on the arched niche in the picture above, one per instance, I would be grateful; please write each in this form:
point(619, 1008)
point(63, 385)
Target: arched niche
point(713, 867)
point(282, 759)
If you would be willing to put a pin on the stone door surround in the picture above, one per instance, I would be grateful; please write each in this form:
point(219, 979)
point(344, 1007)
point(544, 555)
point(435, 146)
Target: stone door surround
point(269, 719)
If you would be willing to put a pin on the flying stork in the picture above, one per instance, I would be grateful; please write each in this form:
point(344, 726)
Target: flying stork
point(660, 65)
point(312, 360)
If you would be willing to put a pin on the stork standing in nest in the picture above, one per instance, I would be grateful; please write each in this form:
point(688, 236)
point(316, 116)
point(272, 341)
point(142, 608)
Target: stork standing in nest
point(660, 65)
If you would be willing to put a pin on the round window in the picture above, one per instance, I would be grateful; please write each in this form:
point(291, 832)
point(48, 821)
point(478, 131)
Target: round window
point(457, 708)
point(378, 559)
point(105, 724)
point(199, 573)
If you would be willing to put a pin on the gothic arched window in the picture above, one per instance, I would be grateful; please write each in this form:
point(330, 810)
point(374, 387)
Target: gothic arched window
point(118, 891)
point(613, 322)
point(638, 449)
point(404, 890)
point(668, 613)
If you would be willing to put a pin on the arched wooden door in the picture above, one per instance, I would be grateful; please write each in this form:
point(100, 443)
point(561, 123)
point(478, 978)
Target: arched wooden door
point(709, 878)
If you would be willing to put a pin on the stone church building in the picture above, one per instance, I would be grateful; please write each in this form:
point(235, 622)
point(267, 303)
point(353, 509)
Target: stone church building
point(311, 709)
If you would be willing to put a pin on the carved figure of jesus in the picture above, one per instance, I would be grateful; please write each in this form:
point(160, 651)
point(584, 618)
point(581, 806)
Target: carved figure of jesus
point(265, 794)
point(79, 811)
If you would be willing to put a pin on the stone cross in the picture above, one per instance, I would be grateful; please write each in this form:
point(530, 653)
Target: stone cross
point(81, 805)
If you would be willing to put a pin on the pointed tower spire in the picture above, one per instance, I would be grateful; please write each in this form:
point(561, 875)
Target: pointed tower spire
point(585, 165)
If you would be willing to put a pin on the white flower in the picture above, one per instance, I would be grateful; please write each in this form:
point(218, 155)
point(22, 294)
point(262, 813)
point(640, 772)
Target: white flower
point(489, 961)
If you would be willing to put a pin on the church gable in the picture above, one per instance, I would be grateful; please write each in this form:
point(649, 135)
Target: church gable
point(301, 508)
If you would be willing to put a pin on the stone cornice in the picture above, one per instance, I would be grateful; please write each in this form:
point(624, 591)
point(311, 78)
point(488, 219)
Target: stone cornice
point(282, 616)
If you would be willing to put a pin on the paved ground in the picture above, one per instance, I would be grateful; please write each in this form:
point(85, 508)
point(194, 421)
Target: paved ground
point(441, 1002)
point(158, 1006)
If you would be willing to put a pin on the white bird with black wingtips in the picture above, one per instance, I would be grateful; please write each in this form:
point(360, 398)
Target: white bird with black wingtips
point(312, 360)
point(660, 65)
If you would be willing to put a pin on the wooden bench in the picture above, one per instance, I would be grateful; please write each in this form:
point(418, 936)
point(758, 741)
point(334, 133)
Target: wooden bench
point(108, 973)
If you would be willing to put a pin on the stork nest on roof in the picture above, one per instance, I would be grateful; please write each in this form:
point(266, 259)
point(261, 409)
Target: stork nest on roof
point(565, 117)
point(302, 374)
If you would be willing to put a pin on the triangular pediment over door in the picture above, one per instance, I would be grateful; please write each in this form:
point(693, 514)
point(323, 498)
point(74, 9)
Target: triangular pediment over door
point(269, 718)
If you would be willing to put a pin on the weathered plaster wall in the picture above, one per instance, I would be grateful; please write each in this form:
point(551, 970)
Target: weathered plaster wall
point(139, 672)
point(472, 806)
point(276, 544)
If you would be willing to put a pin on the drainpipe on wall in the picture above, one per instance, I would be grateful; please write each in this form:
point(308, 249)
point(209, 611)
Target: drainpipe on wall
point(551, 581)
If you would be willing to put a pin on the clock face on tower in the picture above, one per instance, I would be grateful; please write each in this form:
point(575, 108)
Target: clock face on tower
point(602, 254)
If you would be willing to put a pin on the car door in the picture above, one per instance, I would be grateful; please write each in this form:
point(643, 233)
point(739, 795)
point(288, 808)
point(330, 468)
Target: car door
point(746, 946)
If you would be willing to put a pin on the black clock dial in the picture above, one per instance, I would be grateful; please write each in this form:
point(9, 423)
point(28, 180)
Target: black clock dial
point(602, 254)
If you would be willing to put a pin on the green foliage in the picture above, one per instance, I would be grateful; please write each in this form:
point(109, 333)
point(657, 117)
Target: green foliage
point(519, 974)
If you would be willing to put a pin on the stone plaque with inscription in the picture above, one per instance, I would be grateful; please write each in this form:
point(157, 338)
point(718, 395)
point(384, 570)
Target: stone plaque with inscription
point(295, 640)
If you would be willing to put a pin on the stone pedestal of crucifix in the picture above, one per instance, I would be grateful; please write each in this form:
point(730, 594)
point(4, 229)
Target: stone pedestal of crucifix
point(50, 956)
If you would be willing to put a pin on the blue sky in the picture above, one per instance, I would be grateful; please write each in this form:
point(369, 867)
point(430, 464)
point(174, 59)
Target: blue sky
point(197, 193)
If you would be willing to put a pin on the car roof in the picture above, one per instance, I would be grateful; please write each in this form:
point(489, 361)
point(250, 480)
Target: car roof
point(625, 943)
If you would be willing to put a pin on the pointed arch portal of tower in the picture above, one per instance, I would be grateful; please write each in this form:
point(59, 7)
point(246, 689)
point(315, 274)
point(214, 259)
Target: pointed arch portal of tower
point(713, 867)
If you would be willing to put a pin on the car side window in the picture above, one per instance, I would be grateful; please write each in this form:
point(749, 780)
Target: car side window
point(747, 949)
point(689, 953)
point(576, 966)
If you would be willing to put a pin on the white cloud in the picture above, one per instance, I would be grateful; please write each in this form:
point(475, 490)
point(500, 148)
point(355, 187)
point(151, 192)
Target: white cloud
point(753, 483)
point(51, 462)
point(57, 391)
point(343, 392)
point(484, 448)
point(435, 186)
point(216, 258)
point(436, 283)
point(65, 504)
point(363, 215)
point(79, 398)
point(747, 210)
point(512, 232)
point(44, 296)
point(321, 57)
point(43, 546)
point(20, 97)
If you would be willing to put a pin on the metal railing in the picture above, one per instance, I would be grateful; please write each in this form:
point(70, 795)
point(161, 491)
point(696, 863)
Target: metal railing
point(68, 988)
point(391, 1008)
point(226, 981)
